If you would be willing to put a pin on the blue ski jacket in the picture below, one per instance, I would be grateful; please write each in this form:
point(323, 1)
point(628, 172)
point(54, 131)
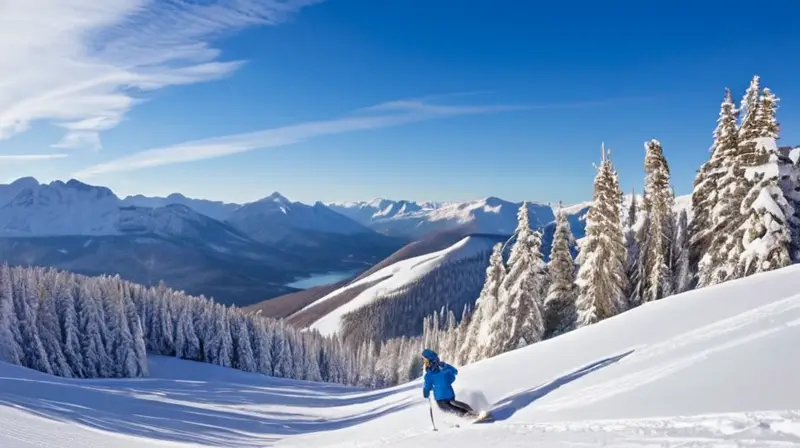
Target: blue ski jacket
point(440, 380)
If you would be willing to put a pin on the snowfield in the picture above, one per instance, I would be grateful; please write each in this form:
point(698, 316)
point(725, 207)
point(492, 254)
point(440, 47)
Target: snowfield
point(716, 367)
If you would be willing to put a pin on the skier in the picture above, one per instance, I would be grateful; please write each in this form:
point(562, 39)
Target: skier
point(439, 377)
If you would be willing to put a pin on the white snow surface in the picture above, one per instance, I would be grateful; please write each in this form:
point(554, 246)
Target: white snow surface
point(394, 277)
point(716, 367)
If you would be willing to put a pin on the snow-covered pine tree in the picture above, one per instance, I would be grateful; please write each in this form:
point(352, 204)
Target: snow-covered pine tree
point(50, 331)
point(559, 304)
point(68, 321)
point(187, 344)
point(242, 350)
point(601, 277)
point(681, 274)
point(658, 203)
point(10, 349)
point(35, 356)
point(474, 344)
point(137, 332)
point(261, 343)
point(765, 232)
point(761, 238)
point(523, 289)
point(716, 199)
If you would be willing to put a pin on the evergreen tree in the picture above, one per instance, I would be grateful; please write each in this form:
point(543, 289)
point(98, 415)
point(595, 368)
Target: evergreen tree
point(658, 203)
point(242, 351)
point(601, 278)
point(559, 304)
point(766, 236)
point(524, 288)
point(761, 232)
point(485, 308)
point(716, 202)
point(187, 344)
point(50, 332)
point(10, 349)
point(68, 321)
point(34, 354)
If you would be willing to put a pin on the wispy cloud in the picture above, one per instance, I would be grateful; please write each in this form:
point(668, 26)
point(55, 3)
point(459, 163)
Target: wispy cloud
point(29, 157)
point(83, 64)
point(393, 113)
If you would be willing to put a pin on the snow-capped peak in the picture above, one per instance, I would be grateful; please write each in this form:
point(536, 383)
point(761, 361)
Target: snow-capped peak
point(276, 197)
point(58, 208)
point(25, 182)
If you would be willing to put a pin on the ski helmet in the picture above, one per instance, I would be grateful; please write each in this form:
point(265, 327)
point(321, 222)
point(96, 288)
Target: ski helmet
point(430, 355)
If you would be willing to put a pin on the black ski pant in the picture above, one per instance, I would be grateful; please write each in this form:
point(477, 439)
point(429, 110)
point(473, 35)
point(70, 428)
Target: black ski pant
point(455, 407)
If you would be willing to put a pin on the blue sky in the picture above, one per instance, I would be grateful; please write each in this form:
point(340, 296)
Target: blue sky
point(354, 99)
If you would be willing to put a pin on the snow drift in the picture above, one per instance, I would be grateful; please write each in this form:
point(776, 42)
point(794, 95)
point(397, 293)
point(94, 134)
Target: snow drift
point(707, 368)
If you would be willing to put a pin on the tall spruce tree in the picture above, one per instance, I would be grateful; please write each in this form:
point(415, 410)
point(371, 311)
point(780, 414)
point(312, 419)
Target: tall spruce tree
point(559, 304)
point(767, 227)
point(473, 347)
point(706, 196)
point(526, 295)
point(716, 200)
point(601, 278)
point(658, 203)
point(519, 319)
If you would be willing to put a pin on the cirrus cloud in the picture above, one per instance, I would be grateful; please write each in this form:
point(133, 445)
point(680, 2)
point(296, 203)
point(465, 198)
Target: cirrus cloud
point(393, 113)
point(83, 64)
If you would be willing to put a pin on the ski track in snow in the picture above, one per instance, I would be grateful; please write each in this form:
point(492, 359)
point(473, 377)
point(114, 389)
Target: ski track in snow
point(711, 368)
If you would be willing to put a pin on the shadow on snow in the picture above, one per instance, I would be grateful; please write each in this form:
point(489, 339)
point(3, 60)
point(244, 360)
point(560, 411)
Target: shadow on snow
point(508, 406)
point(224, 414)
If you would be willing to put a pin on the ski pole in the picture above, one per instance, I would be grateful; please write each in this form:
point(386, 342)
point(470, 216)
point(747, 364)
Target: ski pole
point(430, 408)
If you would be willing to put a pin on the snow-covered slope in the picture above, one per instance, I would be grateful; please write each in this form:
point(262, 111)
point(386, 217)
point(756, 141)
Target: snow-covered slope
point(490, 215)
point(716, 367)
point(394, 278)
point(272, 217)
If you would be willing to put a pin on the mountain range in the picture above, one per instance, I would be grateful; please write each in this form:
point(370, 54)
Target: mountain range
point(417, 220)
point(237, 253)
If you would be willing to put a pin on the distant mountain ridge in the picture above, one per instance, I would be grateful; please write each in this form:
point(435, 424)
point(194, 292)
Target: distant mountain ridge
point(488, 215)
point(251, 254)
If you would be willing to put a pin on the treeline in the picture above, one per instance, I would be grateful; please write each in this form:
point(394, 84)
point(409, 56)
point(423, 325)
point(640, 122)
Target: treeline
point(103, 327)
